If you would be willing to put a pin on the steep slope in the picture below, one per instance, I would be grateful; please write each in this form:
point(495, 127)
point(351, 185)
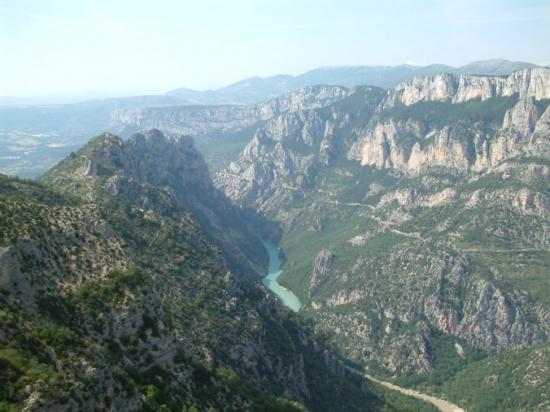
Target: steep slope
point(439, 121)
point(125, 305)
point(487, 385)
point(221, 132)
point(37, 137)
point(422, 245)
point(281, 161)
point(150, 167)
point(466, 123)
point(98, 304)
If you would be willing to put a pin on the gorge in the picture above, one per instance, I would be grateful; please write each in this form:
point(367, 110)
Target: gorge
point(275, 268)
point(406, 230)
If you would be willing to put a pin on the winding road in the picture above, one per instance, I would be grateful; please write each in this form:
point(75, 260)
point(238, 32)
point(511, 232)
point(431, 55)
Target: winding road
point(441, 404)
point(289, 299)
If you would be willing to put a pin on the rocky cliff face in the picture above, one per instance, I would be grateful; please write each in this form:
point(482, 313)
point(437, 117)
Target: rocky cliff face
point(477, 123)
point(117, 300)
point(433, 288)
point(527, 83)
point(425, 226)
point(256, 178)
point(201, 120)
point(458, 148)
point(282, 159)
point(154, 171)
point(418, 141)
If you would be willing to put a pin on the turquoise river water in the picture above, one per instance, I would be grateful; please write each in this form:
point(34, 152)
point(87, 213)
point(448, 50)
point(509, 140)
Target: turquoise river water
point(273, 272)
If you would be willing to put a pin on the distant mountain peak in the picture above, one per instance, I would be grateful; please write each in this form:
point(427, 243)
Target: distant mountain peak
point(256, 89)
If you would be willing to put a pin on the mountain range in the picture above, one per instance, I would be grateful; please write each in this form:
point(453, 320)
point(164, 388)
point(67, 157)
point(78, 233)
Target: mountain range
point(412, 222)
point(34, 138)
point(415, 229)
point(119, 292)
point(258, 89)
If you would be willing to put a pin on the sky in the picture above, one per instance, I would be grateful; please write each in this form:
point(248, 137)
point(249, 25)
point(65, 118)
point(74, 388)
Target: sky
point(74, 46)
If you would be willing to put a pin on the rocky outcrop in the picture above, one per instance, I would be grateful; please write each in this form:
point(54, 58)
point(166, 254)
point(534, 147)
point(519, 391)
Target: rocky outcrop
point(200, 120)
point(526, 201)
point(528, 84)
point(409, 147)
point(286, 153)
point(411, 198)
point(160, 173)
point(414, 144)
point(323, 261)
point(446, 295)
point(361, 239)
point(282, 160)
point(453, 174)
point(522, 117)
point(279, 162)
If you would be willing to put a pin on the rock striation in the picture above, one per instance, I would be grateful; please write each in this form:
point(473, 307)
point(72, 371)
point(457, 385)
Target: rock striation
point(527, 84)
point(414, 143)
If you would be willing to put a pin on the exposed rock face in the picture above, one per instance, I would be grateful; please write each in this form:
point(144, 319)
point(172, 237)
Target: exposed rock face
point(450, 147)
point(412, 145)
point(200, 120)
point(522, 117)
point(451, 171)
point(410, 198)
point(361, 239)
point(266, 163)
point(526, 201)
point(528, 83)
point(124, 309)
point(281, 161)
point(543, 124)
point(284, 157)
point(160, 172)
point(445, 293)
point(321, 268)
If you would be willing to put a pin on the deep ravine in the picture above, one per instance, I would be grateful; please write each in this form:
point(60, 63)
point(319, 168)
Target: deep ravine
point(290, 300)
point(273, 272)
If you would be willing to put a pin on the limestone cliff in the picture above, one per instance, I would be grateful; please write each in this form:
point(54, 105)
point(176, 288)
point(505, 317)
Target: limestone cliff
point(528, 84)
point(282, 160)
point(155, 171)
point(423, 222)
point(201, 120)
point(414, 139)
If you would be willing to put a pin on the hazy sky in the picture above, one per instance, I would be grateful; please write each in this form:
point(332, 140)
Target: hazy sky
point(67, 46)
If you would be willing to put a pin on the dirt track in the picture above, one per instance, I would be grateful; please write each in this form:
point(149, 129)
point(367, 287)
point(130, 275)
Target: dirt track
point(442, 405)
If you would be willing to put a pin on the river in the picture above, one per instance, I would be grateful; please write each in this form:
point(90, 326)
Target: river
point(274, 270)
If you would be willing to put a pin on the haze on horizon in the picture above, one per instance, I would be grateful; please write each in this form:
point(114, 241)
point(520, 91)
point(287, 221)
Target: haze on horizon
point(64, 47)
